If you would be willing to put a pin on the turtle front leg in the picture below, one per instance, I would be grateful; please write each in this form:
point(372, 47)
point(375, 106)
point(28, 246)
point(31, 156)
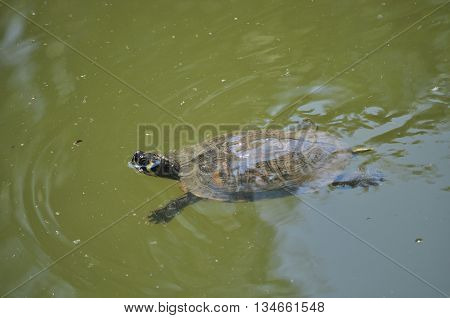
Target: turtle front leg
point(167, 213)
point(359, 179)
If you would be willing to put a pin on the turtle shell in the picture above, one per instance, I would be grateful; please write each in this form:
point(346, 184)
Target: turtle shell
point(238, 166)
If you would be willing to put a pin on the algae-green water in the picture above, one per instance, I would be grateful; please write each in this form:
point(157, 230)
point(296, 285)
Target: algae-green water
point(79, 79)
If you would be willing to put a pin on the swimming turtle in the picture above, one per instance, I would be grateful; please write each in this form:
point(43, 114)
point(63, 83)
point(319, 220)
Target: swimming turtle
point(253, 164)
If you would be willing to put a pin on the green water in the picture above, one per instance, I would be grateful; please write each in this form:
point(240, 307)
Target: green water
point(73, 217)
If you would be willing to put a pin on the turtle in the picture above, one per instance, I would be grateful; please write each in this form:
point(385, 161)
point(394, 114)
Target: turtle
point(253, 164)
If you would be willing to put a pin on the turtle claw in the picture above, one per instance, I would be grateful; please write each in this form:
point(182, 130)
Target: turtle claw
point(373, 178)
point(174, 207)
point(370, 181)
point(161, 216)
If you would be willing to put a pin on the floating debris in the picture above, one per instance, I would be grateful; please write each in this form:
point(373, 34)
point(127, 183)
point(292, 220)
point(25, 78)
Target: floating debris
point(77, 142)
point(419, 240)
point(361, 149)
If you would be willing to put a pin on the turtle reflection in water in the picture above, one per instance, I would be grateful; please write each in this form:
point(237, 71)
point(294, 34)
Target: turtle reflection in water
point(253, 164)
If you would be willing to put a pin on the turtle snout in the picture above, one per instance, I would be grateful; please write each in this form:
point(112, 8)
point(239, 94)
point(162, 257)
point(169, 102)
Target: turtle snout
point(139, 160)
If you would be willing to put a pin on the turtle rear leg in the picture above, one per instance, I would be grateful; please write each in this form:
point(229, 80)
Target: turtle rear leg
point(359, 179)
point(168, 212)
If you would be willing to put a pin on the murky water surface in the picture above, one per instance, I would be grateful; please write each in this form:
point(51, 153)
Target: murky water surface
point(81, 71)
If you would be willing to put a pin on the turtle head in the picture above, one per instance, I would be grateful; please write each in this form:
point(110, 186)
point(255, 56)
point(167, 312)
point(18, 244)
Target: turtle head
point(153, 164)
point(146, 163)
